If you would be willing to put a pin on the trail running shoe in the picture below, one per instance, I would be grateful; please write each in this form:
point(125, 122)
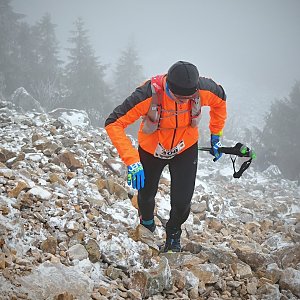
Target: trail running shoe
point(173, 242)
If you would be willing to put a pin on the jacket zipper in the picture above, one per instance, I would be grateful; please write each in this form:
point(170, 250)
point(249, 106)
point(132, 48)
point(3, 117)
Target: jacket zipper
point(176, 116)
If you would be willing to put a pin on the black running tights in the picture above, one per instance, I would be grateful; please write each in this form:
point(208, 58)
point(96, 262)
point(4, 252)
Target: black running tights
point(183, 168)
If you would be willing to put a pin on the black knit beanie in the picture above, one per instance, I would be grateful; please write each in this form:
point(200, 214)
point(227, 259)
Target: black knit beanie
point(183, 78)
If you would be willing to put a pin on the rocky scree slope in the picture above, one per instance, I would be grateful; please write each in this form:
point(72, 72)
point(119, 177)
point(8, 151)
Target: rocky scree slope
point(69, 228)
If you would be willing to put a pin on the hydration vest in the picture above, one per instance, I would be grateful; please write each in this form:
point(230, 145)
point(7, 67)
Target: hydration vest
point(152, 119)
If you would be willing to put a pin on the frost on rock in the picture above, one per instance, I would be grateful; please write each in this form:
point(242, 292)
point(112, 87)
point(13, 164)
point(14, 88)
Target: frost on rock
point(49, 280)
point(69, 227)
point(40, 193)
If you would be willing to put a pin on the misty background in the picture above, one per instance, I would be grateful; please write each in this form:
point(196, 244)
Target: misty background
point(255, 44)
point(250, 48)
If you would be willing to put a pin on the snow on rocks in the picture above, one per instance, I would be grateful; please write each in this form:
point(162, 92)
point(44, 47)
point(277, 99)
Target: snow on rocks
point(50, 279)
point(24, 101)
point(68, 229)
point(290, 280)
point(153, 281)
point(71, 117)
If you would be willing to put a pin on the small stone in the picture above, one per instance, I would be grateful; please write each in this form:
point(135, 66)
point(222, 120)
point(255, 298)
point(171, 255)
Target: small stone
point(153, 281)
point(215, 225)
point(103, 290)
point(64, 296)
point(113, 273)
point(78, 251)
point(252, 288)
point(234, 283)
point(134, 295)
point(49, 245)
point(207, 273)
point(4, 209)
point(72, 226)
point(269, 291)
point(96, 296)
point(290, 280)
point(193, 293)
point(93, 250)
point(243, 270)
point(55, 178)
point(21, 185)
point(2, 262)
point(179, 279)
point(54, 259)
point(199, 207)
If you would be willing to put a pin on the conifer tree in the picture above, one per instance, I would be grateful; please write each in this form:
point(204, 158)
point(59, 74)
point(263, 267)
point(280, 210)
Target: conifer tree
point(128, 74)
point(84, 74)
point(26, 57)
point(46, 48)
point(9, 63)
point(46, 68)
point(279, 141)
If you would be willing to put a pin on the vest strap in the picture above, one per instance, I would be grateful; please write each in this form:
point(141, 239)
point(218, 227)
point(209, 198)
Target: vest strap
point(153, 117)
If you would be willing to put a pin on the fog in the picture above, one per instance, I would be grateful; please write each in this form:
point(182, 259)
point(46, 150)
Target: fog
point(255, 44)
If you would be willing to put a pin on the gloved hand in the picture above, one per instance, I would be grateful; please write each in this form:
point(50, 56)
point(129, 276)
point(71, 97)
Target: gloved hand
point(136, 176)
point(215, 145)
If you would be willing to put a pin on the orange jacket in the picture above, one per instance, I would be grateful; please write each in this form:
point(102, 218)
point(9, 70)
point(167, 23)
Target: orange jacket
point(175, 120)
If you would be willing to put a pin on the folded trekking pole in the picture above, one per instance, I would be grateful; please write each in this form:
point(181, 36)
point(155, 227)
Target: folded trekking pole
point(239, 150)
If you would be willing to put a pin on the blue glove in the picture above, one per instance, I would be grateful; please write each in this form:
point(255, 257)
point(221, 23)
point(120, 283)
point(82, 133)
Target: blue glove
point(136, 175)
point(215, 145)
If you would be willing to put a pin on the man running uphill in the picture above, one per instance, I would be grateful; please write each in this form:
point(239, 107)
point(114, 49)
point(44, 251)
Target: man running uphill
point(170, 105)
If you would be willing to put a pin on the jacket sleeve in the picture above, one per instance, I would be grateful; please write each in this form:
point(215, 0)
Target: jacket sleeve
point(134, 107)
point(213, 95)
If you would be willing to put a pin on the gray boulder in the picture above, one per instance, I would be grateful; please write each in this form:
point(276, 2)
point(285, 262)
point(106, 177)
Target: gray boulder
point(25, 102)
point(72, 117)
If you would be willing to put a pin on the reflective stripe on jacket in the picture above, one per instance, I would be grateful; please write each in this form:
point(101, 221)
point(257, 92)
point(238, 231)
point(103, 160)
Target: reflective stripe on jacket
point(174, 124)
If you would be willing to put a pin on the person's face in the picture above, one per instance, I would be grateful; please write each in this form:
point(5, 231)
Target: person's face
point(183, 99)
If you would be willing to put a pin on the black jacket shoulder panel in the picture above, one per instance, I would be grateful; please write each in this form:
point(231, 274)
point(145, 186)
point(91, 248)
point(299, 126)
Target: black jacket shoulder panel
point(141, 93)
point(209, 85)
